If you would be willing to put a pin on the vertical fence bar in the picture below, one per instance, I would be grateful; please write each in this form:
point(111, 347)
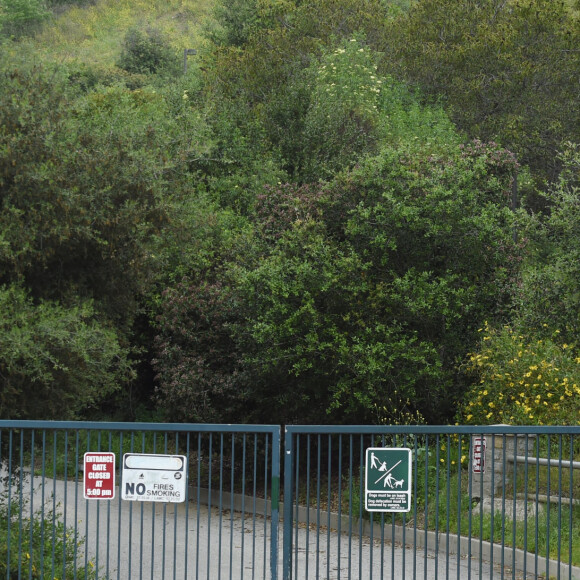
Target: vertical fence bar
point(448, 502)
point(153, 521)
point(339, 477)
point(384, 444)
point(119, 512)
point(361, 491)
point(20, 501)
point(329, 503)
point(559, 547)
point(503, 499)
point(9, 507)
point(492, 499)
point(220, 510)
point(42, 499)
point(571, 508)
point(415, 502)
point(266, 471)
point(209, 485)
point(232, 505)
point(318, 483)
point(53, 517)
point(288, 501)
point(243, 501)
point(97, 509)
point(186, 524)
point(426, 509)
point(308, 489)
point(405, 444)
point(254, 506)
point(548, 510)
point(537, 511)
point(275, 494)
point(515, 501)
point(297, 495)
point(526, 476)
point(198, 514)
point(176, 451)
point(470, 511)
point(164, 526)
point(31, 512)
point(437, 475)
point(350, 502)
point(458, 550)
point(481, 507)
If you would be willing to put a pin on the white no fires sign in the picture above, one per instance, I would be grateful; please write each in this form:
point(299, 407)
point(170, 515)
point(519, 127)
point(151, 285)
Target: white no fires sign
point(149, 477)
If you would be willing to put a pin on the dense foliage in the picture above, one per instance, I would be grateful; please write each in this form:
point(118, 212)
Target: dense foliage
point(506, 70)
point(313, 223)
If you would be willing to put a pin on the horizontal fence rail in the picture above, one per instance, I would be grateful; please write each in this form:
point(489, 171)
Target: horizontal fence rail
point(546, 462)
point(51, 530)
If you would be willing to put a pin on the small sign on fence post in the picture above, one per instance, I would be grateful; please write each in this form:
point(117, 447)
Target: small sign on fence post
point(478, 454)
point(388, 479)
point(99, 475)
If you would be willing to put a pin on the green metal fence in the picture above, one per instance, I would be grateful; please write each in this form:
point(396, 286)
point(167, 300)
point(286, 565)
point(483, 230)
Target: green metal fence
point(50, 529)
point(486, 502)
point(202, 501)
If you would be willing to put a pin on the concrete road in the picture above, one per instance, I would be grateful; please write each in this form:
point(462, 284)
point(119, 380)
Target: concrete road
point(157, 541)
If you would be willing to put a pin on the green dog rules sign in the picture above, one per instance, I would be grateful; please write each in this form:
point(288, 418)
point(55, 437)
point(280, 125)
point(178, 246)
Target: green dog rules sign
point(388, 479)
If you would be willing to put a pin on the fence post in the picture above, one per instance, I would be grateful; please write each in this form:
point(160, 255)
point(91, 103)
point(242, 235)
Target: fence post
point(492, 460)
point(275, 502)
point(287, 535)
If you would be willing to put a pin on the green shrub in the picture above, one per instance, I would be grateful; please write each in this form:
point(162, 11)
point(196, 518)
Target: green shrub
point(522, 380)
point(33, 546)
point(55, 361)
point(147, 52)
point(17, 16)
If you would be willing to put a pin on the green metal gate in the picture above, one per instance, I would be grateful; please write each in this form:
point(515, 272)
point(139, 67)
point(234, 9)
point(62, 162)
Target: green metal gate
point(226, 527)
point(486, 502)
point(89, 500)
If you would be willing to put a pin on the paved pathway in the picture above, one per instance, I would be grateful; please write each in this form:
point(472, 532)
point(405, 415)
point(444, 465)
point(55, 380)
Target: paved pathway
point(145, 540)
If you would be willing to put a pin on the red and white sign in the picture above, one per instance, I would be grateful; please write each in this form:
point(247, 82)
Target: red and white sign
point(99, 475)
point(478, 455)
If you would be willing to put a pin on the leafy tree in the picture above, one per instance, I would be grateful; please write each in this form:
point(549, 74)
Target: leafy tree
point(55, 362)
point(505, 70)
point(235, 22)
point(371, 294)
point(81, 191)
point(83, 182)
point(342, 121)
point(19, 16)
point(147, 52)
point(272, 74)
point(199, 365)
point(548, 297)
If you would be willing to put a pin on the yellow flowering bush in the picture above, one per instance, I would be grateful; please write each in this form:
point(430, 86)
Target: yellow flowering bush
point(522, 381)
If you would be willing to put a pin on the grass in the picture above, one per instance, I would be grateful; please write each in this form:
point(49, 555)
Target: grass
point(93, 34)
point(441, 501)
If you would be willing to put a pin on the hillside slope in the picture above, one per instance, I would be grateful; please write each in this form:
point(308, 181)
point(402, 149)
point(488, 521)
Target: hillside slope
point(93, 33)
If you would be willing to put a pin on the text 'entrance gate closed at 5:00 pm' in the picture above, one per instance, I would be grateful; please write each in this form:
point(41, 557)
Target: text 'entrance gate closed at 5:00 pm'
point(99, 475)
